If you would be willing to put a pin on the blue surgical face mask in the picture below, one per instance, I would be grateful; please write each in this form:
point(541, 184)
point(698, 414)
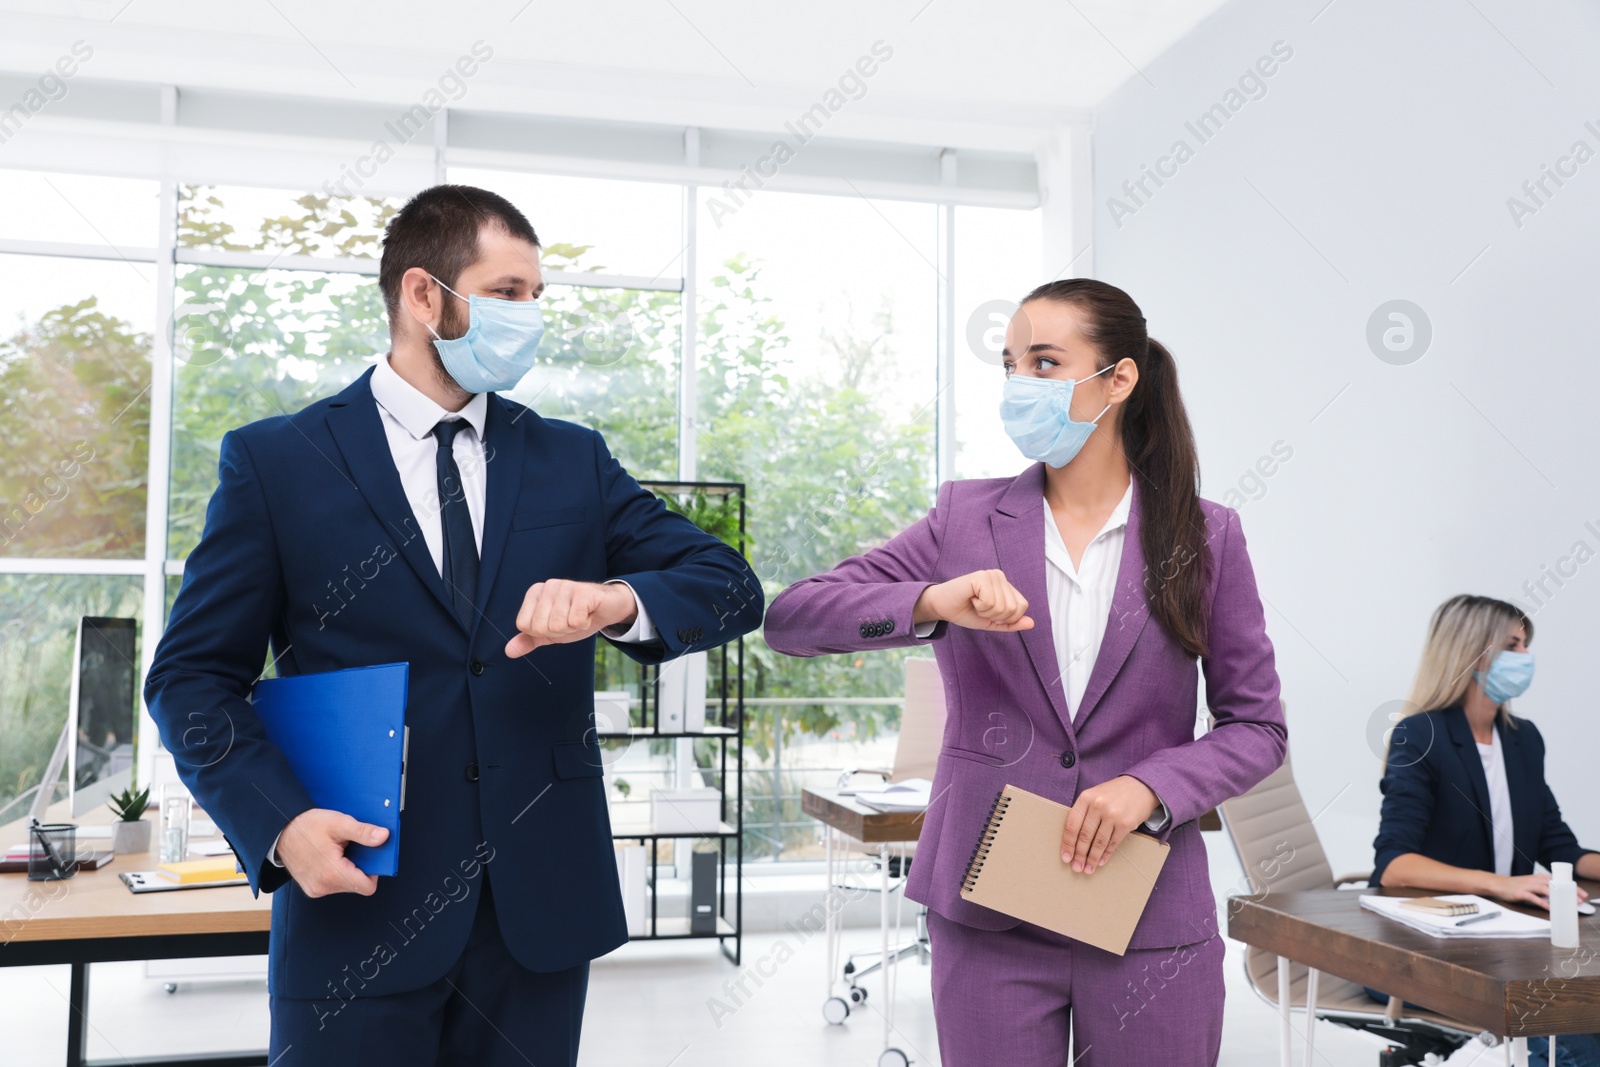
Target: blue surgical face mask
point(1038, 416)
point(1508, 676)
point(499, 346)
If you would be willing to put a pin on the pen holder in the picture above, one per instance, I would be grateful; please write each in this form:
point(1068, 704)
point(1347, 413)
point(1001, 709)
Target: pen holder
point(52, 852)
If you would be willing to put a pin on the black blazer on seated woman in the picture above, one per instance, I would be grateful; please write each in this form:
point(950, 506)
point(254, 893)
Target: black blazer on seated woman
point(1436, 797)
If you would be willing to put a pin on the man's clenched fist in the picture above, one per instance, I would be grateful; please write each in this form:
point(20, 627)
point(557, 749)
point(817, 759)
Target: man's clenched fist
point(560, 611)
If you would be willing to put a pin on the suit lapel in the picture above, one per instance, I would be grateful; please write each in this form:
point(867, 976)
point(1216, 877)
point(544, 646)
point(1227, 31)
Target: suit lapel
point(357, 428)
point(1018, 528)
point(1129, 612)
point(503, 447)
point(1472, 763)
point(1519, 793)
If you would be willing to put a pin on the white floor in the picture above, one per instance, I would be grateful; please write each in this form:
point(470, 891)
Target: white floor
point(660, 1005)
point(655, 1004)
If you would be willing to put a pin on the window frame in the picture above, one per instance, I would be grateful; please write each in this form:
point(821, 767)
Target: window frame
point(693, 180)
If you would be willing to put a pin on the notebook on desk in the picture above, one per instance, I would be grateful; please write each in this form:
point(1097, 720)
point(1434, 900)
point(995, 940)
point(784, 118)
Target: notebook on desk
point(1016, 869)
point(1489, 920)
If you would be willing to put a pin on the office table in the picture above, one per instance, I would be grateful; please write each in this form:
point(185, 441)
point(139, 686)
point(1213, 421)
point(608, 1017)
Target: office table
point(92, 917)
point(844, 815)
point(1509, 987)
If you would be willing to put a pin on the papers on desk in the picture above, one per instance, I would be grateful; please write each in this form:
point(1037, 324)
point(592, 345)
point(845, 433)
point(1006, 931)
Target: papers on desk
point(1505, 922)
point(153, 882)
point(913, 794)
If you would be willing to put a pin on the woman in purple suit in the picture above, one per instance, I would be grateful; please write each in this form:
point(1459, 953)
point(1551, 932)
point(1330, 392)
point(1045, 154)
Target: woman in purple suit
point(1073, 609)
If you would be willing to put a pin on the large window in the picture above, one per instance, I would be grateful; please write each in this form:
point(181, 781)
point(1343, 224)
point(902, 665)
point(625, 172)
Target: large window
point(804, 330)
point(76, 329)
point(817, 387)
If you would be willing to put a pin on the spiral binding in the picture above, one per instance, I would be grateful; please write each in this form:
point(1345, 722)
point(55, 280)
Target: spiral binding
point(980, 851)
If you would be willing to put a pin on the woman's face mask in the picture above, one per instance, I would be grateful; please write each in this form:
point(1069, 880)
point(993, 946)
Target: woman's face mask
point(1037, 413)
point(1508, 676)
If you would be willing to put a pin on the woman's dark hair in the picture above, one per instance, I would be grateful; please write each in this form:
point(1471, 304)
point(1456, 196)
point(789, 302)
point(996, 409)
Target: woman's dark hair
point(438, 230)
point(1159, 445)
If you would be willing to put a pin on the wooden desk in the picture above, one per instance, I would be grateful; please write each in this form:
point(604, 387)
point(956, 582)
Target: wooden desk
point(92, 917)
point(1508, 987)
point(870, 826)
point(854, 819)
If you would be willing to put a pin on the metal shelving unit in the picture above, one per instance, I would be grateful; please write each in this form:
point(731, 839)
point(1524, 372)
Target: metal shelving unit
point(725, 726)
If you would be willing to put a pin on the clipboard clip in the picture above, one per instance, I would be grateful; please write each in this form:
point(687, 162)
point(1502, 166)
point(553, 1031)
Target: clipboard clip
point(405, 758)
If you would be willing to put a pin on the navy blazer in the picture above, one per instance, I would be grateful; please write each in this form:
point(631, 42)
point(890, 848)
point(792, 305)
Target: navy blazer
point(310, 544)
point(1436, 797)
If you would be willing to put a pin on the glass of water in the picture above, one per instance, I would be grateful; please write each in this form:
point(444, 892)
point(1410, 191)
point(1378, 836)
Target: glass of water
point(175, 805)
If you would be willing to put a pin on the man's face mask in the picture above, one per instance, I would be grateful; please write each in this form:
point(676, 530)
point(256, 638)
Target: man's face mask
point(499, 346)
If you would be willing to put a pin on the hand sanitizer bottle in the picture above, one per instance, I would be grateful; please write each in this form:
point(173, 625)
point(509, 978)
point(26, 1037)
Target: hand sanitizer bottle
point(1563, 906)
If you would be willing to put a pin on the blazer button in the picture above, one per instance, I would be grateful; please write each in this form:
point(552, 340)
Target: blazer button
point(888, 626)
point(472, 772)
point(477, 666)
point(866, 631)
point(1068, 759)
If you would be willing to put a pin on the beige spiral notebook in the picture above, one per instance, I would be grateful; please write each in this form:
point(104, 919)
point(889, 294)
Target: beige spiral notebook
point(1016, 869)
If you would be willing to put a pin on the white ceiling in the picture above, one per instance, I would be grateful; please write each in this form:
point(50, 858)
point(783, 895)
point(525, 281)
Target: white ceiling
point(996, 75)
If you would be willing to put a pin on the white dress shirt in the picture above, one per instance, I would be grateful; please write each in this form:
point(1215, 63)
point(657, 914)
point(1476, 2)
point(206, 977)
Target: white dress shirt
point(1493, 756)
point(409, 417)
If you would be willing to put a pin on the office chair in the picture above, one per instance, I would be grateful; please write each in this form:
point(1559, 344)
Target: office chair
point(1272, 833)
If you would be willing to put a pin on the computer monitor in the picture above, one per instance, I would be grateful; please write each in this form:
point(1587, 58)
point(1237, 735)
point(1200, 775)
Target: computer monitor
point(104, 711)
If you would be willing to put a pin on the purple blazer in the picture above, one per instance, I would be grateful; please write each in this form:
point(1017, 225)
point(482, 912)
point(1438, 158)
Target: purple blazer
point(1007, 720)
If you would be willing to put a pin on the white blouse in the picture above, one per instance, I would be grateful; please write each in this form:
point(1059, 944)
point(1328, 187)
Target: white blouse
point(1080, 597)
point(1080, 606)
point(1493, 756)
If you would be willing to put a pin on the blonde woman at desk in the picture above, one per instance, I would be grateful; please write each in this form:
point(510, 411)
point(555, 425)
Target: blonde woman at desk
point(1466, 808)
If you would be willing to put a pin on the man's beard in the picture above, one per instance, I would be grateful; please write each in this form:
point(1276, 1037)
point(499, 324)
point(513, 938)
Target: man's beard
point(454, 322)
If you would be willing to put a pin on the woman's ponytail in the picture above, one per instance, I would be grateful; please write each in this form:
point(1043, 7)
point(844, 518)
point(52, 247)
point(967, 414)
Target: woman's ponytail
point(1159, 444)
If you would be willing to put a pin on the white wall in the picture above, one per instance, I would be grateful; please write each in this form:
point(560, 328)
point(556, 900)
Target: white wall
point(1377, 165)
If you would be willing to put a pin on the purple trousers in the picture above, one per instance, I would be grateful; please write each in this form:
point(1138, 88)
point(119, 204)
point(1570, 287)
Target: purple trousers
point(1014, 996)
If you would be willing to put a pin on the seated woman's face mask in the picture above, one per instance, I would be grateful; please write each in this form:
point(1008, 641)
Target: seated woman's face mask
point(1508, 676)
point(500, 344)
point(1037, 413)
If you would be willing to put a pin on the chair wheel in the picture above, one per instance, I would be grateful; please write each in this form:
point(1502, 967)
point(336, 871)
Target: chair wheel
point(893, 1057)
point(835, 1011)
point(858, 995)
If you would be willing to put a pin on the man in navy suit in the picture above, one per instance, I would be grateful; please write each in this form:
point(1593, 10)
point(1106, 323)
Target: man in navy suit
point(417, 516)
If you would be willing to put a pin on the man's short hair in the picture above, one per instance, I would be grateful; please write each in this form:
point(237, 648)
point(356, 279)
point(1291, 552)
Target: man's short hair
point(438, 231)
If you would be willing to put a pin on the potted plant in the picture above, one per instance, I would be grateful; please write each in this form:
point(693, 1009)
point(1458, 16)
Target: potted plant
point(130, 833)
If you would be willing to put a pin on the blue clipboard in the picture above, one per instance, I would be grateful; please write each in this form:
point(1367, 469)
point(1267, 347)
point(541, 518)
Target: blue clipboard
point(344, 735)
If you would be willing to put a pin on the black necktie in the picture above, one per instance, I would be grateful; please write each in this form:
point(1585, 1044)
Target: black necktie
point(460, 547)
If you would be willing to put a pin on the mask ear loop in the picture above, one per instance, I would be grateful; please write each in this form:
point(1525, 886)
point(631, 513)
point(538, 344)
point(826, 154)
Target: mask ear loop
point(447, 289)
point(1096, 374)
